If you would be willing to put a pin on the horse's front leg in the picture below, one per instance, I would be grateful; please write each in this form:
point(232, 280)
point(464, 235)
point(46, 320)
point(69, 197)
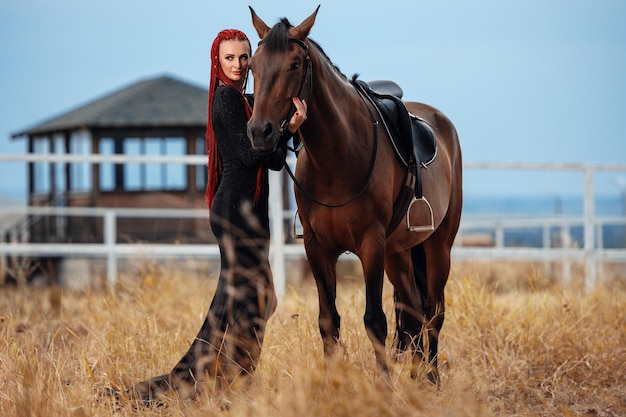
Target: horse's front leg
point(324, 268)
point(372, 254)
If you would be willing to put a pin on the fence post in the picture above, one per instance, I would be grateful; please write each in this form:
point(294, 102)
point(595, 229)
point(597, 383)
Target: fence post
point(566, 243)
point(589, 240)
point(110, 233)
point(546, 237)
point(499, 232)
point(277, 235)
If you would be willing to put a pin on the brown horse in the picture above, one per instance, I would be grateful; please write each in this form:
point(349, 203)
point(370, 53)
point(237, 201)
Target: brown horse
point(347, 181)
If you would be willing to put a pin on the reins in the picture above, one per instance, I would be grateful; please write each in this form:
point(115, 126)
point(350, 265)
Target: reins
point(308, 73)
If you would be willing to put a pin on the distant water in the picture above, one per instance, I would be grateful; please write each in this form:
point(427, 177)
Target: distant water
point(613, 236)
point(540, 206)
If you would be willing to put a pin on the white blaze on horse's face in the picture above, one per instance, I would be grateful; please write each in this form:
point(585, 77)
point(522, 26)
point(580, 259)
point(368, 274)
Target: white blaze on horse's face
point(278, 69)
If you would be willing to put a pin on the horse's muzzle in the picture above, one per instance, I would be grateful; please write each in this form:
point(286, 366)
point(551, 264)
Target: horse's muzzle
point(263, 135)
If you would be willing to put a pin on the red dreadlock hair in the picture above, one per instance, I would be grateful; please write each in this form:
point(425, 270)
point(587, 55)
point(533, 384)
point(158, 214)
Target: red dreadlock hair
point(217, 77)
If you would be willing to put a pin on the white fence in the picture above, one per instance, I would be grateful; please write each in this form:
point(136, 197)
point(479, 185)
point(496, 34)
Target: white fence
point(591, 252)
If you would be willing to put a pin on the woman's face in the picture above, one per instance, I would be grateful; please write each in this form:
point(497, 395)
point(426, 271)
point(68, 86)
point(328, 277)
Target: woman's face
point(233, 56)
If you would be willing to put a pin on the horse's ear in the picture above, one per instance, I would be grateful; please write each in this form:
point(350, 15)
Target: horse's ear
point(261, 28)
point(302, 30)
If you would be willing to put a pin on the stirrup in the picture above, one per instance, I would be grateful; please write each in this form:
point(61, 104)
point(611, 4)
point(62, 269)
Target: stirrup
point(294, 233)
point(426, 228)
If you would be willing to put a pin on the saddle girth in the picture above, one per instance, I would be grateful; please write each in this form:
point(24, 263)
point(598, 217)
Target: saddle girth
point(406, 195)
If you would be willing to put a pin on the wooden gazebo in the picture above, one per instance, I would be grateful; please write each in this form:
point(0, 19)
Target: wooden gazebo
point(156, 116)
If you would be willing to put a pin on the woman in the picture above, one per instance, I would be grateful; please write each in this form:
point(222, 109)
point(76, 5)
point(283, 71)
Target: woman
point(229, 342)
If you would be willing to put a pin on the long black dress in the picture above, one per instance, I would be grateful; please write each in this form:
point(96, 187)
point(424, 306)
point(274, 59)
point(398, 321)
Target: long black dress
point(229, 342)
point(230, 339)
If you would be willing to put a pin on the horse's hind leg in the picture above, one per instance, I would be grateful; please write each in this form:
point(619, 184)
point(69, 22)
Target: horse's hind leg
point(408, 302)
point(418, 290)
point(437, 258)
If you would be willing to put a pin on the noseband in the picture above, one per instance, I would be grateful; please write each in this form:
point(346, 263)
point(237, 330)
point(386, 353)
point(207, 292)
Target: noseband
point(305, 76)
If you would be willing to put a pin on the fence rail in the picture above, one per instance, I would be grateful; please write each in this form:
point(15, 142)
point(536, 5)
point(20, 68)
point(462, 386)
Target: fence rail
point(591, 252)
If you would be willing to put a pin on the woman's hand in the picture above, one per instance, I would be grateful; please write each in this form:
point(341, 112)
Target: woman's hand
point(299, 116)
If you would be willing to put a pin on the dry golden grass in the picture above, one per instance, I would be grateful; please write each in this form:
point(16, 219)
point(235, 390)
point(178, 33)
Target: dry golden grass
point(521, 345)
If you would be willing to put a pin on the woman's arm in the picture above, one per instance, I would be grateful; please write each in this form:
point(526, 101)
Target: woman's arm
point(280, 154)
point(229, 107)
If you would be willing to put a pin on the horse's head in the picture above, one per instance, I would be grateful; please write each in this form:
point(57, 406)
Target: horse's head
point(281, 68)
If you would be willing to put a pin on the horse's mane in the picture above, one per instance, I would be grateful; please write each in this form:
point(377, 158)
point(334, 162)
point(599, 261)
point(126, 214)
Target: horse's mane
point(319, 48)
point(277, 40)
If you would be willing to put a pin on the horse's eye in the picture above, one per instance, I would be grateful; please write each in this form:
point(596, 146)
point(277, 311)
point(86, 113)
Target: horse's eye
point(295, 66)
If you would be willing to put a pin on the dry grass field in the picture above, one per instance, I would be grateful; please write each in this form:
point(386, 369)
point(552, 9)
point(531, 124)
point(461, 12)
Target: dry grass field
point(515, 343)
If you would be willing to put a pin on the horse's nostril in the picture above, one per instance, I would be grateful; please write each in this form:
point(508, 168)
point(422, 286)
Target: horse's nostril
point(267, 132)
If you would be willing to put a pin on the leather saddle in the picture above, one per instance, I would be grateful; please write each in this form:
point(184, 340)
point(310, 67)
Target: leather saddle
point(414, 144)
point(410, 135)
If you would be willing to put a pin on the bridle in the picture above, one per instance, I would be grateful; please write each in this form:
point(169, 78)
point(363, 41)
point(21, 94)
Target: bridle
point(308, 75)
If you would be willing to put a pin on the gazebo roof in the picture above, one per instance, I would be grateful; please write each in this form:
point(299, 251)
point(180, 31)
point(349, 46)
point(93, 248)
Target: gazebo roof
point(162, 102)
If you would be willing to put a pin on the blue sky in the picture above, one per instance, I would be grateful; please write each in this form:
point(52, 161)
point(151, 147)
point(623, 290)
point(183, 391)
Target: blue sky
point(523, 80)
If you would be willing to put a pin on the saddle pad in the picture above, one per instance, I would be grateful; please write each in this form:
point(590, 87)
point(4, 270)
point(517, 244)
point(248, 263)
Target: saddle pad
point(424, 142)
point(410, 135)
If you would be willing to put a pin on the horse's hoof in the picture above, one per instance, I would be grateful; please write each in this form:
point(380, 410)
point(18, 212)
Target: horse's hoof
point(111, 392)
point(385, 382)
point(114, 394)
point(147, 399)
point(433, 378)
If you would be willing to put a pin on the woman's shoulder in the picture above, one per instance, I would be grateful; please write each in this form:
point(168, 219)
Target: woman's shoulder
point(228, 95)
point(227, 98)
point(227, 90)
